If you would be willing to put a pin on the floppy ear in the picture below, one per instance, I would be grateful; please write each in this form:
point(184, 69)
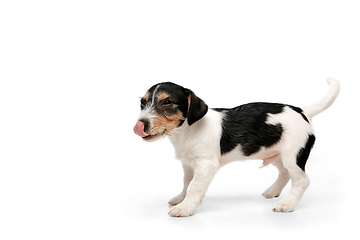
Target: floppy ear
point(197, 107)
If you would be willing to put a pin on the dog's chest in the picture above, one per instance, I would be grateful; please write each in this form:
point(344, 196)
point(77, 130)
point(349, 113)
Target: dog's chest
point(188, 148)
point(201, 140)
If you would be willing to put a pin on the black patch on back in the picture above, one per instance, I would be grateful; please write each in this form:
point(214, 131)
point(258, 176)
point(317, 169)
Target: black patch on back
point(304, 152)
point(246, 125)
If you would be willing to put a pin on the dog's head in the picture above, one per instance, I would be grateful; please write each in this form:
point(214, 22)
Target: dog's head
point(166, 106)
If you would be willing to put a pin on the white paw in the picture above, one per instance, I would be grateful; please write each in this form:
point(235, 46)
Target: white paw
point(176, 200)
point(271, 193)
point(284, 206)
point(182, 210)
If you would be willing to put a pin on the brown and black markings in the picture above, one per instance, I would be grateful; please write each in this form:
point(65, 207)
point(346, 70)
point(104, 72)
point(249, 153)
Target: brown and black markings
point(169, 105)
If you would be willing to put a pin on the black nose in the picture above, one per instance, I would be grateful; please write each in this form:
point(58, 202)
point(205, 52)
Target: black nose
point(146, 124)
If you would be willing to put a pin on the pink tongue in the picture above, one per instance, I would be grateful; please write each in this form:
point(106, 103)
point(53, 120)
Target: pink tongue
point(139, 129)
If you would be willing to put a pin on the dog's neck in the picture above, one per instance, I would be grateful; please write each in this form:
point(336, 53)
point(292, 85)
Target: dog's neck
point(184, 134)
point(179, 134)
point(199, 139)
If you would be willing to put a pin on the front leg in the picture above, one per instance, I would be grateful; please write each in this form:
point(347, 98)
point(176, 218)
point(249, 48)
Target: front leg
point(188, 176)
point(204, 172)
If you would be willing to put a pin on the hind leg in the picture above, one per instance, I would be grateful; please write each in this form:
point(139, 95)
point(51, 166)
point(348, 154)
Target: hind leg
point(283, 178)
point(299, 183)
point(294, 161)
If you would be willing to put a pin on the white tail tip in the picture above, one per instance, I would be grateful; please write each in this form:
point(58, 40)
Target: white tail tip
point(325, 102)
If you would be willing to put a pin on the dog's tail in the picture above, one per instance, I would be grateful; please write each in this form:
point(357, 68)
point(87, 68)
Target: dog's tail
point(325, 102)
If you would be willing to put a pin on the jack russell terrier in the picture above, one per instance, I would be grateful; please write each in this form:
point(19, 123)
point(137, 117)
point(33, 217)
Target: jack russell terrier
point(207, 139)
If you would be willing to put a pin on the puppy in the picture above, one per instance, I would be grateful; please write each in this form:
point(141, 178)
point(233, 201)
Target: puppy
point(207, 139)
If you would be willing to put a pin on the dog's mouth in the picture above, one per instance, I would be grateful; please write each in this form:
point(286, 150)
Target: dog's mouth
point(153, 136)
point(139, 130)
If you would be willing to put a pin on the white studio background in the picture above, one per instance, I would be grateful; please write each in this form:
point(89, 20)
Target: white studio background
point(71, 77)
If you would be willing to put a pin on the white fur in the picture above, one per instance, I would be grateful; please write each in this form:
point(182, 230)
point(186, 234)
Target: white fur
point(197, 146)
point(324, 103)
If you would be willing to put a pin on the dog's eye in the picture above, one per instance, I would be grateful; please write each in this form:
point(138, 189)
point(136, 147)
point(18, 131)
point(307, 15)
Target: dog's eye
point(167, 102)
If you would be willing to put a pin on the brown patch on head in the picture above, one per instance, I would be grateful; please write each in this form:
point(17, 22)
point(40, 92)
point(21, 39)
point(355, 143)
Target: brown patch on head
point(146, 96)
point(165, 124)
point(144, 100)
point(162, 95)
